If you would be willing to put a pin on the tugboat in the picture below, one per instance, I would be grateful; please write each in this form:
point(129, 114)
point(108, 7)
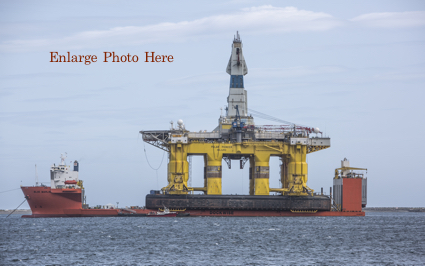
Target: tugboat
point(165, 213)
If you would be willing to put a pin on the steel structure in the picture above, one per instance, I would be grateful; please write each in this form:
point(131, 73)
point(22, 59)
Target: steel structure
point(237, 138)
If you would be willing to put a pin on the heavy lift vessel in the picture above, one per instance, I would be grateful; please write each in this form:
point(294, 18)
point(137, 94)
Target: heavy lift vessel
point(237, 138)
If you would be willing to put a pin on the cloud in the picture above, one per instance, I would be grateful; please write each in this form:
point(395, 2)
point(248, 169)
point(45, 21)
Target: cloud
point(257, 74)
point(39, 75)
point(62, 99)
point(294, 72)
point(338, 94)
point(397, 76)
point(392, 19)
point(253, 20)
point(207, 78)
point(257, 20)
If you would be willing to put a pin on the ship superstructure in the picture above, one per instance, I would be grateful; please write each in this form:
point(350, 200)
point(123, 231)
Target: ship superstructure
point(350, 187)
point(63, 176)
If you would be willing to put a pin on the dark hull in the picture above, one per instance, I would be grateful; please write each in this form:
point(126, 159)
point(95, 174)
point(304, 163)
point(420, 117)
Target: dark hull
point(237, 213)
point(239, 202)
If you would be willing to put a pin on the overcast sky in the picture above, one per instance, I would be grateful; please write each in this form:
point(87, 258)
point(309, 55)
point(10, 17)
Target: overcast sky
point(355, 69)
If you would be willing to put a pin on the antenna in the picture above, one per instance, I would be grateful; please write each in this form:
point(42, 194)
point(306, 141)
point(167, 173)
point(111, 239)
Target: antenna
point(36, 176)
point(63, 158)
point(237, 38)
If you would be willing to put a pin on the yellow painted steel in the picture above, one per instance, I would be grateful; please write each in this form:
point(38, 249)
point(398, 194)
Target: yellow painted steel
point(198, 189)
point(297, 170)
point(304, 211)
point(213, 174)
point(178, 169)
point(315, 148)
point(80, 184)
point(261, 173)
point(345, 169)
point(293, 173)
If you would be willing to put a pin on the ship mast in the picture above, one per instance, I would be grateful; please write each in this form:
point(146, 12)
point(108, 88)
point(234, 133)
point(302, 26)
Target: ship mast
point(36, 176)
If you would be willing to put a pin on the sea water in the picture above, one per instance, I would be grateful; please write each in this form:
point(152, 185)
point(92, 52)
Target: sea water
point(380, 238)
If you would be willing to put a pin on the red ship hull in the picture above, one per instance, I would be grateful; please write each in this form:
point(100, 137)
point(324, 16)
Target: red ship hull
point(47, 202)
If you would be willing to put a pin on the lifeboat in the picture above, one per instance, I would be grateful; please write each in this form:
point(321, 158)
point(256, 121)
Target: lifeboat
point(70, 182)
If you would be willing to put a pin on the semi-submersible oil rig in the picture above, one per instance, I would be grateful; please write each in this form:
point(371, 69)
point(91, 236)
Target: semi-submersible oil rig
point(237, 138)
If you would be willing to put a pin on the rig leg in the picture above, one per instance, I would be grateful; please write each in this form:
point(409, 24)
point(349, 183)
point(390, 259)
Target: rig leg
point(213, 176)
point(261, 174)
point(178, 170)
point(297, 170)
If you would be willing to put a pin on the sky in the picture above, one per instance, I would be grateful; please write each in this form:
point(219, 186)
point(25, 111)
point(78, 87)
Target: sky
point(355, 69)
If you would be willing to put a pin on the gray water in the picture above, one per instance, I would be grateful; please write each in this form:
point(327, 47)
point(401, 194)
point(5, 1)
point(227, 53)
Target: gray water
point(396, 238)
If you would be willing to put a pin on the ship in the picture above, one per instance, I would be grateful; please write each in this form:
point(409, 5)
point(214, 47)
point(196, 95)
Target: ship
point(165, 213)
point(66, 196)
point(236, 138)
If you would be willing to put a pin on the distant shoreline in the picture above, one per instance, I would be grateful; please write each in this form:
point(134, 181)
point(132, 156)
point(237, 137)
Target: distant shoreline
point(367, 209)
point(394, 209)
point(24, 211)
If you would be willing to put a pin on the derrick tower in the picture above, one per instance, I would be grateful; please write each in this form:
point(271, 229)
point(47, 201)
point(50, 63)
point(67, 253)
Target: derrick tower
point(237, 138)
point(237, 69)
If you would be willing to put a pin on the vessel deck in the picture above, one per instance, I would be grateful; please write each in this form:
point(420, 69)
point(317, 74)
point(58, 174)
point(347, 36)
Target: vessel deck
point(239, 202)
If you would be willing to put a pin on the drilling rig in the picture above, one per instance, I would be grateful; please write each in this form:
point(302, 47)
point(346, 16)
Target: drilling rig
point(238, 138)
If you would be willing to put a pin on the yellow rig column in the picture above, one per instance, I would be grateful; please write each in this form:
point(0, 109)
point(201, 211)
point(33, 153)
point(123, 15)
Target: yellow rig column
point(178, 169)
point(297, 170)
point(213, 175)
point(293, 173)
point(261, 174)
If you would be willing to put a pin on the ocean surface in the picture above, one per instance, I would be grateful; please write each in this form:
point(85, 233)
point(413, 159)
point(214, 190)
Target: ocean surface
point(380, 238)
